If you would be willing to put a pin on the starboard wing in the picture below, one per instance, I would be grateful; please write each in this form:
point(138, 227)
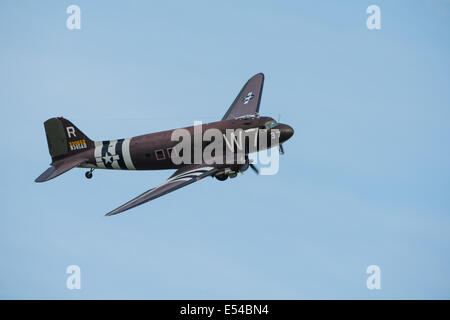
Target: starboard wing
point(182, 177)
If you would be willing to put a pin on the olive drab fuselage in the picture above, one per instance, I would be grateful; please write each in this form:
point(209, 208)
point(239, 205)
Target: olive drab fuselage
point(154, 151)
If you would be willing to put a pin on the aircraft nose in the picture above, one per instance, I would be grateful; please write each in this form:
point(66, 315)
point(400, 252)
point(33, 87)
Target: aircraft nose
point(286, 132)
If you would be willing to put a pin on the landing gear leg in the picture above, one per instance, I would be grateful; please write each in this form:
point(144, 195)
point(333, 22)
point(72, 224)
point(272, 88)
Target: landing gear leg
point(89, 173)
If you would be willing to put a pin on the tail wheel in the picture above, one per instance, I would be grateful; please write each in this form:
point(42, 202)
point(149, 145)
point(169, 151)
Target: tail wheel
point(88, 174)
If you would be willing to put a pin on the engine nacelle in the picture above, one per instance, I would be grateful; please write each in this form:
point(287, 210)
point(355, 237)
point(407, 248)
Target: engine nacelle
point(221, 177)
point(228, 173)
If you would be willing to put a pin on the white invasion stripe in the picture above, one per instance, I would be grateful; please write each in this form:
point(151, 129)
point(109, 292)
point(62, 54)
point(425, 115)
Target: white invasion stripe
point(112, 150)
point(184, 179)
point(98, 154)
point(197, 172)
point(186, 175)
point(126, 154)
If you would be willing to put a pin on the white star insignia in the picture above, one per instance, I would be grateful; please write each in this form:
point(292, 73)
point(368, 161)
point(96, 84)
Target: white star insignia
point(107, 158)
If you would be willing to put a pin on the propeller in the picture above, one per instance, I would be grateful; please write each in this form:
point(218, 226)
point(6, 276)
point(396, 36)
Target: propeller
point(254, 168)
point(251, 165)
point(280, 146)
point(281, 149)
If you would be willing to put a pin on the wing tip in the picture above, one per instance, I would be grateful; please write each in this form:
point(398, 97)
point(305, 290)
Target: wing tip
point(117, 211)
point(112, 213)
point(256, 76)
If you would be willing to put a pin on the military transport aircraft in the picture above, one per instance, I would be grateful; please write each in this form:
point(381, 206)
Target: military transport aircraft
point(70, 148)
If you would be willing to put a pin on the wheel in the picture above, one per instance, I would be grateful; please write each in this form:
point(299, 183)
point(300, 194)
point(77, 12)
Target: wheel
point(222, 177)
point(88, 174)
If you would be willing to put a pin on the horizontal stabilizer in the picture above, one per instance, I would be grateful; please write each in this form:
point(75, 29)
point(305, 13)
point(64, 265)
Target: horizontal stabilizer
point(60, 167)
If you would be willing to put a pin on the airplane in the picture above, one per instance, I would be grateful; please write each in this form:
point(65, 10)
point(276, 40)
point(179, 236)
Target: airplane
point(69, 147)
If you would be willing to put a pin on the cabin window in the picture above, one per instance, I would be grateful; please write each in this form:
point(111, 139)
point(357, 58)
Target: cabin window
point(169, 152)
point(160, 154)
point(147, 155)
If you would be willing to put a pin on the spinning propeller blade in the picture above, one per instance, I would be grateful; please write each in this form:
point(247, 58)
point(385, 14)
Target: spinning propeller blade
point(254, 168)
point(281, 149)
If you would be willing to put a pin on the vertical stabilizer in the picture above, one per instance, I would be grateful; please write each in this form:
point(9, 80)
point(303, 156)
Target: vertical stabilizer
point(64, 138)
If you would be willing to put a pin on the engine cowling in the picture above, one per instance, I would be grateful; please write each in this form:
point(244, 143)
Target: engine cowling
point(227, 173)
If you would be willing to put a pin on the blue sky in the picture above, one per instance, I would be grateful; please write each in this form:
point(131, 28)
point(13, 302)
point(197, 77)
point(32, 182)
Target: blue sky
point(364, 181)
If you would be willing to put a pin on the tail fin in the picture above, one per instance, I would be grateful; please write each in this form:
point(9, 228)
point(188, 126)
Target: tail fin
point(64, 138)
point(66, 145)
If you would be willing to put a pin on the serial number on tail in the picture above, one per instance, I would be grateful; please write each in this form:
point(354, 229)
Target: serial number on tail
point(77, 145)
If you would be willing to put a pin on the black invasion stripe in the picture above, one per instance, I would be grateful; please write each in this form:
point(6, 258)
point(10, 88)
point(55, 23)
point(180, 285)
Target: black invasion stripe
point(193, 174)
point(195, 171)
point(104, 152)
point(189, 176)
point(121, 162)
point(186, 175)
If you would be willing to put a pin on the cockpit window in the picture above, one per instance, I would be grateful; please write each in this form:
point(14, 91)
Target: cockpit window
point(271, 124)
